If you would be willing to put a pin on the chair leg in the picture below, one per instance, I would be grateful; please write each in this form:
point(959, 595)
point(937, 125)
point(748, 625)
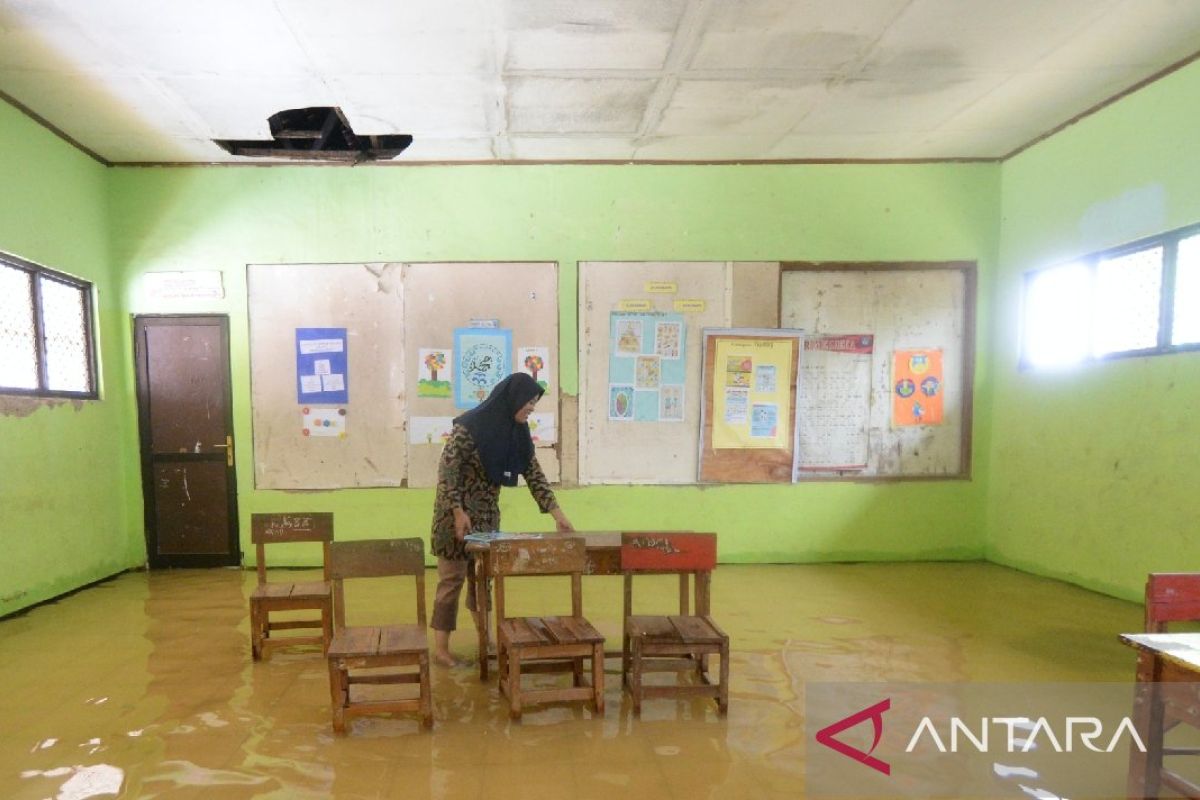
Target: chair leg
point(598, 677)
point(338, 688)
point(723, 687)
point(577, 672)
point(635, 676)
point(326, 627)
point(624, 659)
point(255, 632)
point(426, 693)
point(514, 683)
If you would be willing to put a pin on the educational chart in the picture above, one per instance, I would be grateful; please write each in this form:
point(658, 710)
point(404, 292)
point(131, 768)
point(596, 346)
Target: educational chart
point(646, 368)
point(752, 391)
point(833, 410)
point(482, 358)
point(917, 387)
point(321, 366)
point(748, 405)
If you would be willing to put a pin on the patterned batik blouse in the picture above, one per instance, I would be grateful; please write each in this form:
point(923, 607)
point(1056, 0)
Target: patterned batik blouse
point(463, 482)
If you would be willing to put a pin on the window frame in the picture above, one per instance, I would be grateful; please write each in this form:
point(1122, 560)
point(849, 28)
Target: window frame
point(86, 288)
point(1169, 242)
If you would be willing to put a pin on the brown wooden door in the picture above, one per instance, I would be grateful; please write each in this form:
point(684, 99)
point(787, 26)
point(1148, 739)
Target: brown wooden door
point(186, 422)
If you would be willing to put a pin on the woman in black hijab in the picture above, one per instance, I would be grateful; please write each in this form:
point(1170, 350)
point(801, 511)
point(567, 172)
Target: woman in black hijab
point(489, 447)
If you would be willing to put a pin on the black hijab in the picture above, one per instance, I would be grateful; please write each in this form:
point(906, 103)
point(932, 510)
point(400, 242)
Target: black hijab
point(505, 446)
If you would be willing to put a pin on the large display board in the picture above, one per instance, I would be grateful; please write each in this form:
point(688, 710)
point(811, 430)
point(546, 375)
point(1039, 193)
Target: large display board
point(888, 367)
point(327, 375)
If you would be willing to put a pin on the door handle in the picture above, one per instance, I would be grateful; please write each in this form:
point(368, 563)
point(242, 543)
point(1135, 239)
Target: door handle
point(228, 445)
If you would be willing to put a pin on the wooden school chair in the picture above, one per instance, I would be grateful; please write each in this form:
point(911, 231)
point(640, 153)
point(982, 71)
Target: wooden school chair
point(545, 644)
point(1173, 597)
point(672, 643)
point(269, 597)
point(387, 650)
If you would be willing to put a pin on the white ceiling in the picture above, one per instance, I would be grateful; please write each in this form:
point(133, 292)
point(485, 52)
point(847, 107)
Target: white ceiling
point(154, 81)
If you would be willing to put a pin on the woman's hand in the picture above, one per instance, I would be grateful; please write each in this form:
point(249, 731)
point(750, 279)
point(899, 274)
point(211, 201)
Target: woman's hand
point(561, 523)
point(462, 524)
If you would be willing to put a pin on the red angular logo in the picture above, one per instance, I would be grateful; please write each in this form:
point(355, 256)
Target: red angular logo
point(873, 713)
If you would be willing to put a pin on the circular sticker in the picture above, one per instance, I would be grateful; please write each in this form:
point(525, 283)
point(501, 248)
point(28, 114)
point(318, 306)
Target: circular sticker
point(930, 386)
point(306, 432)
point(919, 363)
point(905, 387)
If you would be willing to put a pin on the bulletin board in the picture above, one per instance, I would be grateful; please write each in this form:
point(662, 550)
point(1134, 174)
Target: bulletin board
point(327, 375)
point(442, 302)
point(649, 436)
point(886, 391)
point(748, 430)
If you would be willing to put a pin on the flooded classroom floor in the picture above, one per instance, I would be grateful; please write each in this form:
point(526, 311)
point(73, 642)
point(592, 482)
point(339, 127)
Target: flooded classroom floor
point(143, 687)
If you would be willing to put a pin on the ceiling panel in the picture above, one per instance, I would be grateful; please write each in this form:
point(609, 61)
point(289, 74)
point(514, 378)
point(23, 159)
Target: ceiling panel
point(576, 105)
point(571, 80)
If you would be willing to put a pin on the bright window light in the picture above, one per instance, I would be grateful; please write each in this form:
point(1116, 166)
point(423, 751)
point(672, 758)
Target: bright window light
point(1128, 292)
point(1058, 315)
point(1187, 292)
point(18, 341)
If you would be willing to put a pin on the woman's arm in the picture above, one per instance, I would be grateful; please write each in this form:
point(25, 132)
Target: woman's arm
point(539, 487)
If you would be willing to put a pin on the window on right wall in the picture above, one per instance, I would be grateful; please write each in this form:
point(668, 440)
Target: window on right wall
point(1138, 299)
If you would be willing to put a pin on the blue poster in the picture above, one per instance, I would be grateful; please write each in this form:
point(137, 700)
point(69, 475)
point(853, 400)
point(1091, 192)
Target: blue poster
point(321, 374)
point(482, 358)
point(646, 367)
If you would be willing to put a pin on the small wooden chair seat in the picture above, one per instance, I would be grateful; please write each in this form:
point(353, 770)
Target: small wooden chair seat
point(550, 631)
point(385, 650)
point(269, 597)
point(677, 643)
point(675, 630)
point(547, 643)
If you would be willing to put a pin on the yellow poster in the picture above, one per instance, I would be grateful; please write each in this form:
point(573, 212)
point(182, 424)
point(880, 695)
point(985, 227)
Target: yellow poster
point(752, 391)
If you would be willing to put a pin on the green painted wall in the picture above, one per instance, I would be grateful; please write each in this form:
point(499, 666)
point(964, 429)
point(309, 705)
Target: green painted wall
point(1093, 470)
point(225, 218)
point(69, 496)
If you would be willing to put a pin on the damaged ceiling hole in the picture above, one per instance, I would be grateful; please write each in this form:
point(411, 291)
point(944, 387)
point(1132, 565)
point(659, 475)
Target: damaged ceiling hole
point(319, 133)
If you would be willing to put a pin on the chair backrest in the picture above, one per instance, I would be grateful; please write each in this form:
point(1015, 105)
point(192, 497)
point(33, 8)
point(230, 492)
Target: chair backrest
point(305, 526)
point(375, 558)
point(668, 551)
point(683, 553)
point(1171, 597)
point(551, 556)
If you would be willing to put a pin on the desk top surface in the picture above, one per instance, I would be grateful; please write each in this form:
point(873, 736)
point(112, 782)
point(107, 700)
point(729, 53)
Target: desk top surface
point(593, 540)
point(1180, 648)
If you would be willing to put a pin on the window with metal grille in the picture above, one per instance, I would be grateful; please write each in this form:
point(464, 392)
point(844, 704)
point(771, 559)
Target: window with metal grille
point(46, 332)
point(1139, 299)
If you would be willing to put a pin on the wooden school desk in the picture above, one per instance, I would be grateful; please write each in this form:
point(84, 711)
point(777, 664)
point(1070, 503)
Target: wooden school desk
point(1166, 661)
point(603, 558)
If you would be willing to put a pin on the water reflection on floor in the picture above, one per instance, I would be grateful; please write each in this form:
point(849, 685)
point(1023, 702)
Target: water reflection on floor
point(143, 687)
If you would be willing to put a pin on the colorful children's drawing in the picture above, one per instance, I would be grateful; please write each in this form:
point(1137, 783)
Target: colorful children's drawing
point(433, 369)
point(535, 362)
point(648, 373)
point(620, 402)
point(667, 336)
point(670, 403)
point(629, 336)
